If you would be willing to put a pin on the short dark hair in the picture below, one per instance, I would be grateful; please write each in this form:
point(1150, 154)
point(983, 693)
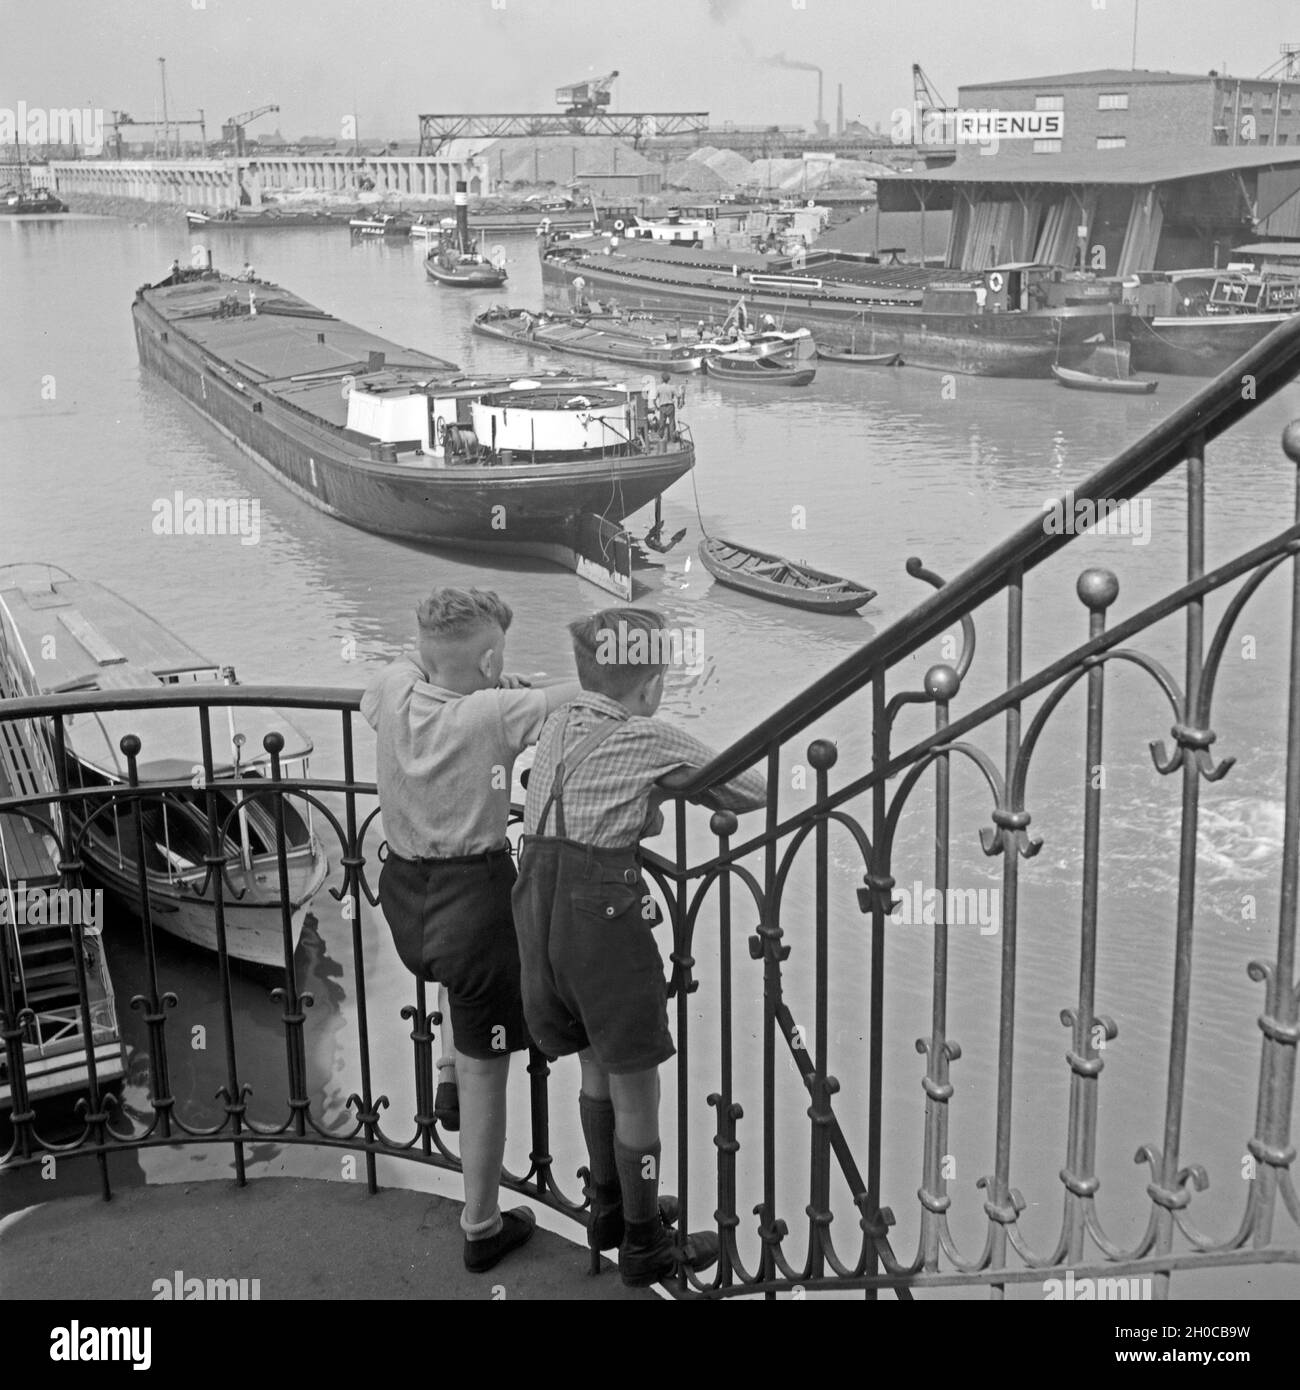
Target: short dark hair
point(458, 612)
point(607, 661)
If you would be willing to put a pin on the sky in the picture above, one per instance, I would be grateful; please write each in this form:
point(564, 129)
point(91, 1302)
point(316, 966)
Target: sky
point(389, 60)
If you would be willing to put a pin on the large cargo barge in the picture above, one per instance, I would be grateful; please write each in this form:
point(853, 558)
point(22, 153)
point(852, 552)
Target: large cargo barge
point(1015, 320)
point(398, 442)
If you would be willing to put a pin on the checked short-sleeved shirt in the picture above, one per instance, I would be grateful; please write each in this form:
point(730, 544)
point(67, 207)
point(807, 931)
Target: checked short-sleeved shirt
point(607, 796)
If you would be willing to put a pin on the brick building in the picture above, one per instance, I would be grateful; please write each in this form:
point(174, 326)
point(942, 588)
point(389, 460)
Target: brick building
point(1118, 109)
point(1159, 170)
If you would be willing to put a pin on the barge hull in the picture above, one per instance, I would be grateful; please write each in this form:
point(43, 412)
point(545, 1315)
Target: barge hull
point(1006, 345)
point(537, 509)
point(1201, 346)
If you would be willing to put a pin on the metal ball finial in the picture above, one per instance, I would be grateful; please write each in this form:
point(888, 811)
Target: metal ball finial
point(723, 823)
point(1291, 441)
point(274, 742)
point(1097, 589)
point(130, 745)
point(942, 682)
point(822, 754)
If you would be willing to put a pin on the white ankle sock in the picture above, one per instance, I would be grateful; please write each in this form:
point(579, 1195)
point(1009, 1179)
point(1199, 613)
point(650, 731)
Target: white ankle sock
point(481, 1230)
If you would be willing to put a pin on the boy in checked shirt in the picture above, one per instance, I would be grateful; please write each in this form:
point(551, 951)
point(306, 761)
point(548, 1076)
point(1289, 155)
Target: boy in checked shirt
point(592, 976)
point(449, 726)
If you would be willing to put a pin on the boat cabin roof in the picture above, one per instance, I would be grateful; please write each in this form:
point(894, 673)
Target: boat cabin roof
point(75, 634)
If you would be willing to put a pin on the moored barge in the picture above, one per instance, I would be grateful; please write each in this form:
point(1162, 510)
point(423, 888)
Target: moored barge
point(398, 442)
point(1015, 320)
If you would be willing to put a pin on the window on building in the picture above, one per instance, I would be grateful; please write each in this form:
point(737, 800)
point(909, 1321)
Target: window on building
point(1220, 134)
point(1112, 101)
point(1052, 103)
point(1111, 142)
point(1264, 137)
point(1283, 138)
point(1047, 147)
point(1248, 98)
point(1286, 103)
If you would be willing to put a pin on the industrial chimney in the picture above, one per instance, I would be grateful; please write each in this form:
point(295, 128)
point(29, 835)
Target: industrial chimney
point(461, 201)
point(820, 124)
point(839, 112)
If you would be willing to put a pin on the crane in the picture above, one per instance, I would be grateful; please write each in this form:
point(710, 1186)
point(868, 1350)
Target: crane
point(232, 129)
point(586, 98)
point(923, 94)
point(124, 118)
point(1287, 68)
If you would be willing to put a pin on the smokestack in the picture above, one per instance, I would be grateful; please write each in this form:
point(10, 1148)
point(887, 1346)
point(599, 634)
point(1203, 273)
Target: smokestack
point(462, 213)
point(839, 112)
point(819, 98)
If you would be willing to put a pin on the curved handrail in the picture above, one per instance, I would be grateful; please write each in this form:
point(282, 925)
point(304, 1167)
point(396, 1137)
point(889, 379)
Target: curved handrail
point(1270, 365)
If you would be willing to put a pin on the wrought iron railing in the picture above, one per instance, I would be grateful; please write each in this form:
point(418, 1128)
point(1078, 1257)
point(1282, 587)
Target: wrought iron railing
point(796, 896)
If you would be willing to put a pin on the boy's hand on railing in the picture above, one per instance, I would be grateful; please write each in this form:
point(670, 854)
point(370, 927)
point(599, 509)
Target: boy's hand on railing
point(513, 682)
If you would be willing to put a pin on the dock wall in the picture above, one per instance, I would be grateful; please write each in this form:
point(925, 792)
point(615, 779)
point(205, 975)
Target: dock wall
point(232, 183)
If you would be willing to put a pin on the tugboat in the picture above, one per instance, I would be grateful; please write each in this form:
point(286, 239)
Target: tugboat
point(25, 200)
point(104, 642)
point(398, 442)
point(458, 261)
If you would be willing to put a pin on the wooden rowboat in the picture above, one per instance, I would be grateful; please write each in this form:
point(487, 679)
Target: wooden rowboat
point(780, 580)
point(748, 366)
point(1086, 381)
point(862, 359)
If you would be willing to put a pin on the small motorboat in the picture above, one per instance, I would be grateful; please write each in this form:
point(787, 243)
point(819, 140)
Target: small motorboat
point(754, 367)
point(1088, 381)
point(780, 580)
point(25, 203)
point(861, 359)
point(386, 225)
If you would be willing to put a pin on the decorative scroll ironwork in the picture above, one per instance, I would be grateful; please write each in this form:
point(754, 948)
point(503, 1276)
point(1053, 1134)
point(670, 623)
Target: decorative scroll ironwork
point(749, 887)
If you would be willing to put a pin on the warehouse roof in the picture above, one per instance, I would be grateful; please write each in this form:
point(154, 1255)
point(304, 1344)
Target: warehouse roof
point(1118, 77)
point(1132, 167)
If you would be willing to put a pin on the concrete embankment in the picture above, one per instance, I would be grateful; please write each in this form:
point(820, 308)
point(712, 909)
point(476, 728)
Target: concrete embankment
point(132, 209)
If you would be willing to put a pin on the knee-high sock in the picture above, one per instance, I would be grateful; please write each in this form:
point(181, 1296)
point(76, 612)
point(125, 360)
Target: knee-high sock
point(638, 1176)
point(598, 1130)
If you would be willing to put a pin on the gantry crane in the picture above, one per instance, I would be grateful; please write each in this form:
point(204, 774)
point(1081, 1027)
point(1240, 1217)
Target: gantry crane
point(123, 118)
point(586, 98)
point(232, 129)
point(924, 95)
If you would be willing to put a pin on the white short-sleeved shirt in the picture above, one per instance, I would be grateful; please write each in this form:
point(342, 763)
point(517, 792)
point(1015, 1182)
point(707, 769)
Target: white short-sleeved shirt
point(444, 760)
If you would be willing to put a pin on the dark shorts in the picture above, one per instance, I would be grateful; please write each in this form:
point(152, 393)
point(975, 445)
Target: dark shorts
point(592, 973)
point(451, 922)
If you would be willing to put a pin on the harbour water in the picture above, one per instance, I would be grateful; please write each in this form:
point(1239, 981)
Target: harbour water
point(855, 473)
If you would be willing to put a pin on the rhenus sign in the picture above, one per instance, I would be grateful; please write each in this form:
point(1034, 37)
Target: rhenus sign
point(970, 127)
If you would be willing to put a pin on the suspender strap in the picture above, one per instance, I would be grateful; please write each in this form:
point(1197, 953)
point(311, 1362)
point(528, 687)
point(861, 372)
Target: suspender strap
point(564, 768)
